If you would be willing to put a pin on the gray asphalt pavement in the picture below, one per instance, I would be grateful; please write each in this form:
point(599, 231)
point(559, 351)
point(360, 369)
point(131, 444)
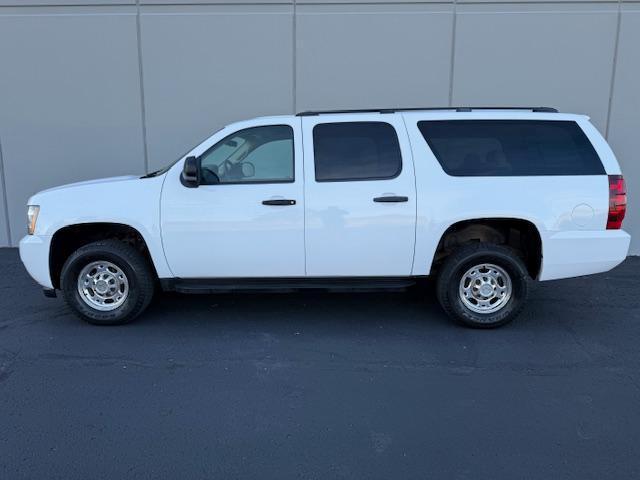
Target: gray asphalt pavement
point(322, 386)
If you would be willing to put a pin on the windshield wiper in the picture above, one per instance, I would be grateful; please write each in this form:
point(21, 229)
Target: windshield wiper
point(152, 174)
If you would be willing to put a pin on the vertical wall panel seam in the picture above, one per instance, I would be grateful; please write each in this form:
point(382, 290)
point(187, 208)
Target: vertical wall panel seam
point(4, 196)
point(143, 112)
point(453, 50)
point(614, 67)
point(294, 85)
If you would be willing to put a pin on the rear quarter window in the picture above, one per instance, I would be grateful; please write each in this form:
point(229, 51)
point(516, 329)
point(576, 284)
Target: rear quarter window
point(511, 147)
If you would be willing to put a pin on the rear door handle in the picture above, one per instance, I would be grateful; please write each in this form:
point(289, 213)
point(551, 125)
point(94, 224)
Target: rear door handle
point(279, 201)
point(391, 199)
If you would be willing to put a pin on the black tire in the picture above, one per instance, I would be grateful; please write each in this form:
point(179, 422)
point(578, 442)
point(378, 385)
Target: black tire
point(466, 257)
point(140, 276)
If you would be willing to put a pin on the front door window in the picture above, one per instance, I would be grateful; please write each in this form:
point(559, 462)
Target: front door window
point(253, 155)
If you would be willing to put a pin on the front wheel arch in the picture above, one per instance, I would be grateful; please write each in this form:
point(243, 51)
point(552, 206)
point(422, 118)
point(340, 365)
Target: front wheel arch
point(70, 238)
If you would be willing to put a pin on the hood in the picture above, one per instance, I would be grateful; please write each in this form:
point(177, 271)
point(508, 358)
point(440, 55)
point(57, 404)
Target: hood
point(124, 178)
point(128, 200)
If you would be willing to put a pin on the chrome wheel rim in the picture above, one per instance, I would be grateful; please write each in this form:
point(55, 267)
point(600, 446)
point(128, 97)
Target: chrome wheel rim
point(103, 285)
point(485, 288)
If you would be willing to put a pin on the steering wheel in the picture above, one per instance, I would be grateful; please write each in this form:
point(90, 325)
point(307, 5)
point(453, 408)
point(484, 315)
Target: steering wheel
point(225, 167)
point(210, 175)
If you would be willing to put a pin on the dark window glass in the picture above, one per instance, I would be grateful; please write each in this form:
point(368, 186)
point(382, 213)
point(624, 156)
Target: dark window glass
point(356, 151)
point(253, 155)
point(511, 147)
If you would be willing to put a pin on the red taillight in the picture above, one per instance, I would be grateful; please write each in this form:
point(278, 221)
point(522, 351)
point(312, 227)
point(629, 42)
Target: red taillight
point(617, 202)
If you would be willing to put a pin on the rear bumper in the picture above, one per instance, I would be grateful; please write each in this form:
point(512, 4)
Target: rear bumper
point(34, 253)
point(576, 253)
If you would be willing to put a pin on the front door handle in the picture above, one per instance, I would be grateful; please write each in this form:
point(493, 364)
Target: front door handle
point(279, 201)
point(391, 199)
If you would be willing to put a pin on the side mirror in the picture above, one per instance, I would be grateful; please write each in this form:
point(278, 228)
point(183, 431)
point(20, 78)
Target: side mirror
point(190, 176)
point(248, 169)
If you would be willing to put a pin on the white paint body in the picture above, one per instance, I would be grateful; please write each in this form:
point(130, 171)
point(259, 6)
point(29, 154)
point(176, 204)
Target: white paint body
point(225, 230)
point(335, 229)
point(347, 233)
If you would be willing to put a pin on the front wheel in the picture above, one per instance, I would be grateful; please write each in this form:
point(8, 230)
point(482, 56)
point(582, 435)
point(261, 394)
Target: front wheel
point(483, 285)
point(107, 282)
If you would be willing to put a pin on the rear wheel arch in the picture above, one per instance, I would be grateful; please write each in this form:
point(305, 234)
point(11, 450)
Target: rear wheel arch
point(66, 240)
point(519, 234)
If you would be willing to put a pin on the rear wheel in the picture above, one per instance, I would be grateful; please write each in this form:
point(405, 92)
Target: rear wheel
point(483, 285)
point(107, 282)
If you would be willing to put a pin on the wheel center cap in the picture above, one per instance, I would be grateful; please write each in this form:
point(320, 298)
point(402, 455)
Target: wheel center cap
point(102, 286)
point(486, 290)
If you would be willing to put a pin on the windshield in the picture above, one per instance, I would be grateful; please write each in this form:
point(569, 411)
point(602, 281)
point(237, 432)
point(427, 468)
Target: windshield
point(164, 170)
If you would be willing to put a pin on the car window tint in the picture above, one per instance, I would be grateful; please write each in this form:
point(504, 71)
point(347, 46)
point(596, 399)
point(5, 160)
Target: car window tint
point(511, 147)
point(356, 151)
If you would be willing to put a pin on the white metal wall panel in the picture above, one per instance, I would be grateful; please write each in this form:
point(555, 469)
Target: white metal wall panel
point(70, 104)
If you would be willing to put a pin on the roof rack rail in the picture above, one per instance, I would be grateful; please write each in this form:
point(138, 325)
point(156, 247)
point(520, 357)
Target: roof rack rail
point(413, 109)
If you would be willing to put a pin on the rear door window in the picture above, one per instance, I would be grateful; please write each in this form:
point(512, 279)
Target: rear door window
point(356, 151)
point(511, 147)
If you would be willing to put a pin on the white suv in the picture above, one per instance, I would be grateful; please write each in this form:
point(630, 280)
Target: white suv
point(484, 199)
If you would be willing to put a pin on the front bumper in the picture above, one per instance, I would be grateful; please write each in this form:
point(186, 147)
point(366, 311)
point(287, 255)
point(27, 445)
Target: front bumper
point(34, 253)
point(576, 253)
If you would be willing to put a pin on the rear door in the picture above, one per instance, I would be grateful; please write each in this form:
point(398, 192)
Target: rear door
point(360, 196)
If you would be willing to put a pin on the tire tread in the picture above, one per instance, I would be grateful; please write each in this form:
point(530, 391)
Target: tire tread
point(144, 281)
point(462, 255)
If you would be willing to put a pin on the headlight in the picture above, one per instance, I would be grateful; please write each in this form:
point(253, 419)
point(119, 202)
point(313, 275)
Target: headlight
point(32, 217)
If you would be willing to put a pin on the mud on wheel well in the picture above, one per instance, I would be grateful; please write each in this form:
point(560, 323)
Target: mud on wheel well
point(68, 239)
point(521, 235)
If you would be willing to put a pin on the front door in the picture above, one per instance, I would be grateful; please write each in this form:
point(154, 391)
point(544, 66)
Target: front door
point(246, 219)
point(360, 196)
